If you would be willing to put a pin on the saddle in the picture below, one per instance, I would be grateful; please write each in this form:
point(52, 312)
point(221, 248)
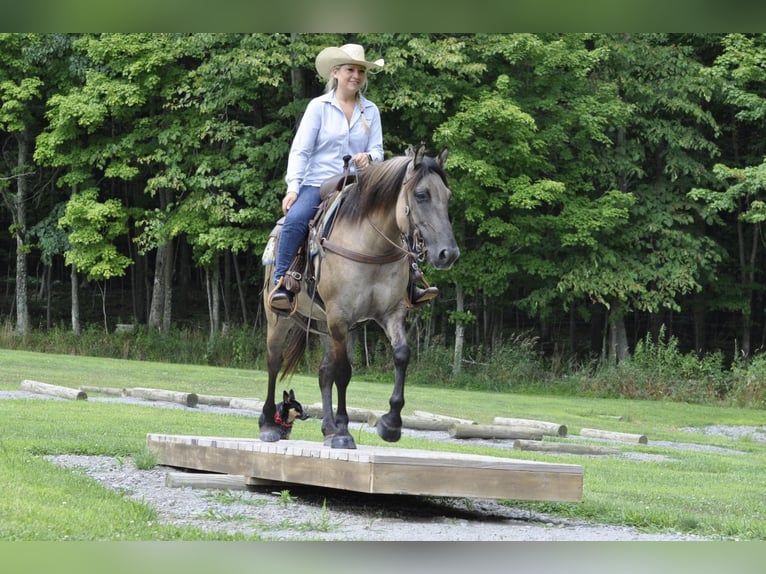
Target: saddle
point(303, 268)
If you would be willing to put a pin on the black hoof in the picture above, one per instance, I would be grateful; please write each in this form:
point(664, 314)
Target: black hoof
point(270, 435)
point(387, 433)
point(340, 441)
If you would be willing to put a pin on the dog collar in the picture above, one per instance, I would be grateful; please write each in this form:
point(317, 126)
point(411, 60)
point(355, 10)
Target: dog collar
point(278, 420)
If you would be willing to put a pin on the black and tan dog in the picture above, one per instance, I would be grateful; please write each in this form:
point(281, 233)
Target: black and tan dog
point(288, 411)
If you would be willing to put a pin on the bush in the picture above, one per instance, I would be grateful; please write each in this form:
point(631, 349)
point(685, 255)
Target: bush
point(748, 384)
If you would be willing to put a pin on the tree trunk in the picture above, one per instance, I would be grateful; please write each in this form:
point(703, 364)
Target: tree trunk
point(159, 291)
point(618, 335)
point(76, 328)
point(20, 221)
point(457, 360)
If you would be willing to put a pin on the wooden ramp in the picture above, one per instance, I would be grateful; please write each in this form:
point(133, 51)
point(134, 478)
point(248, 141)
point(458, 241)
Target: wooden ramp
point(372, 469)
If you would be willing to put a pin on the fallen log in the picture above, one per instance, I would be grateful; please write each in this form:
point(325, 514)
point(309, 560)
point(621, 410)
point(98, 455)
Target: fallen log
point(104, 390)
point(354, 414)
point(456, 420)
point(53, 390)
point(495, 431)
point(549, 429)
point(617, 436)
point(247, 404)
point(214, 400)
point(569, 448)
point(416, 423)
point(187, 399)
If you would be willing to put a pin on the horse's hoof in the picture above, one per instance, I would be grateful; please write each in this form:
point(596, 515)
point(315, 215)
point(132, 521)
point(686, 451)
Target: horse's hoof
point(270, 435)
point(387, 433)
point(340, 441)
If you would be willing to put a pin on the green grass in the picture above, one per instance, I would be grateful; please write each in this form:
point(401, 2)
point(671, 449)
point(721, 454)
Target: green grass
point(714, 495)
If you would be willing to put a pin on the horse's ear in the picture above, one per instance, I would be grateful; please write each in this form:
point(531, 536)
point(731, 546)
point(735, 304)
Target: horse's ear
point(420, 153)
point(442, 159)
point(409, 152)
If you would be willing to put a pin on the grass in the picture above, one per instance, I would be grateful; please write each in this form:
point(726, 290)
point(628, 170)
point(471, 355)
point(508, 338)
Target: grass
point(712, 494)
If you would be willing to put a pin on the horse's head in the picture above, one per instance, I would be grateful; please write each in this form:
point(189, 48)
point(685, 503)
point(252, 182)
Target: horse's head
point(422, 209)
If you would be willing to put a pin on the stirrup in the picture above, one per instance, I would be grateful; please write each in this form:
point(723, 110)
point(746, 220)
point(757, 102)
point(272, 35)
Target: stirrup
point(281, 299)
point(420, 296)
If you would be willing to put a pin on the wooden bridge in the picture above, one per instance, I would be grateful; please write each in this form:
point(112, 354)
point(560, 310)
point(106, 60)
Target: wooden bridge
point(372, 469)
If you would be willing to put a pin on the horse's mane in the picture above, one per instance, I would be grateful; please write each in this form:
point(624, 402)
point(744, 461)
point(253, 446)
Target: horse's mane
point(378, 186)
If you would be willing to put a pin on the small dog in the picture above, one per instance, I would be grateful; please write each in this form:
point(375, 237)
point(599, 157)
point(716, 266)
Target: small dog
point(288, 411)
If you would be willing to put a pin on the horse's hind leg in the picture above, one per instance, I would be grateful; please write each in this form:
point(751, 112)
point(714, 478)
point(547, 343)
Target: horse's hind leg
point(335, 368)
point(389, 426)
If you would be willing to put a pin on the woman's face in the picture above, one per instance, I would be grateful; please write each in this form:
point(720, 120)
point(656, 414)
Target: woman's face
point(350, 76)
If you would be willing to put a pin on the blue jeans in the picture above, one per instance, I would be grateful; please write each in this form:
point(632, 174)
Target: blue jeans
point(295, 228)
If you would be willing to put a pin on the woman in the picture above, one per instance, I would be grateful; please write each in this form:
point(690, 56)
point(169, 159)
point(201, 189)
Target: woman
point(338, 123)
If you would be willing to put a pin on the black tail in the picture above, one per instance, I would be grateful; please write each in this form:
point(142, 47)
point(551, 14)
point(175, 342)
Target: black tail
point(293, 351)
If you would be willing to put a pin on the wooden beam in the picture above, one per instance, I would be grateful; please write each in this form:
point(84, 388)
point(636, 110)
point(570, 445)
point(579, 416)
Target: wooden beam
point(617, 436)
point(495, 431)
point(187, 399)
point(354, 414)
point(53, 390)
point(547, 428)
point(373, 469)
point(569, 448)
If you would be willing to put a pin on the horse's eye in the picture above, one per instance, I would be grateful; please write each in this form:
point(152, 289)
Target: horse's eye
point(422, 194)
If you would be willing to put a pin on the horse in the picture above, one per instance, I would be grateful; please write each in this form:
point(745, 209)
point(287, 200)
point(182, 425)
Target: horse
point(362, 271)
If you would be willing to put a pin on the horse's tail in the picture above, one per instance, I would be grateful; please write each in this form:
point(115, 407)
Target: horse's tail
point(293, 351)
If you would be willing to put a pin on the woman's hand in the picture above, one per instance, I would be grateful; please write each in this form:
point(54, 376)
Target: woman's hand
point(361, 160)
point(288, 200)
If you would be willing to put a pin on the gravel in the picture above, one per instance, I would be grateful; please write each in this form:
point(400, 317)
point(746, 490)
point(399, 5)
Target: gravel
point(310, 513)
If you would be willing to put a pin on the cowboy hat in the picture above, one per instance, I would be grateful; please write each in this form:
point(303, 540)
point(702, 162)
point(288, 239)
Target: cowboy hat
point(328, 58)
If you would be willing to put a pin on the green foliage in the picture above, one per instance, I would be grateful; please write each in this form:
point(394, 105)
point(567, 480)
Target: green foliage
point(659, 370)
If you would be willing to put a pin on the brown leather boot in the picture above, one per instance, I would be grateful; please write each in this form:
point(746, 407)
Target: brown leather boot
point(421, 296)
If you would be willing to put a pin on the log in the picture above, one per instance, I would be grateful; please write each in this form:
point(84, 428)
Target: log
point(54, 390)
point(214, 400)
point(354, 414)
point(618, 436)
point(456, 420)
point(570, 448)
point(416, 423)
point(104, 390)
point(495, 431)
point(549, 429)
point(188, 399)
point(248, 404)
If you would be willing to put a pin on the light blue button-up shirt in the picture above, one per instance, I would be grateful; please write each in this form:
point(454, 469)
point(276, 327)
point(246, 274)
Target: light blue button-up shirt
point(324, 136)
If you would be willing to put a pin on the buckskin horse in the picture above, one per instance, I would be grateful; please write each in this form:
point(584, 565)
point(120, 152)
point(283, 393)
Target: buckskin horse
point(361, 273)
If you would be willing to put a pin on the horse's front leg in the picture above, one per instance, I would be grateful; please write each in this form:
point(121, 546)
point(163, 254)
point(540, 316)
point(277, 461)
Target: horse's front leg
point(389, 426)
point(335, 368)
point(270, 431)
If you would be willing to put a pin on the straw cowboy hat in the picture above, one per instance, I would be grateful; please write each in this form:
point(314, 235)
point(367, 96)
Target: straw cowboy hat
point(328, 58)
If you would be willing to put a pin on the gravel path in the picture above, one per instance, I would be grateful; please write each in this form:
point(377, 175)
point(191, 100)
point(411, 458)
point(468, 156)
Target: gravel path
point(310, 513)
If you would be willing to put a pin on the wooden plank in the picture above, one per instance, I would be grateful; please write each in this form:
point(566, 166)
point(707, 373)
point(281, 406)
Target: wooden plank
point(53, 390)
point(373, 469)
point(616, 436)
point(548, 428)
point(205, 480)
point(495, 431)
point(355, 415)
point(569, 448)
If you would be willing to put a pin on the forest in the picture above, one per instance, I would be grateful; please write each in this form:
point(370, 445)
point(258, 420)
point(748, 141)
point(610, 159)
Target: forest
point(606, 187)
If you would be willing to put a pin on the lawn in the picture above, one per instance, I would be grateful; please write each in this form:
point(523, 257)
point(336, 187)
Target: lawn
point(713, 494)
